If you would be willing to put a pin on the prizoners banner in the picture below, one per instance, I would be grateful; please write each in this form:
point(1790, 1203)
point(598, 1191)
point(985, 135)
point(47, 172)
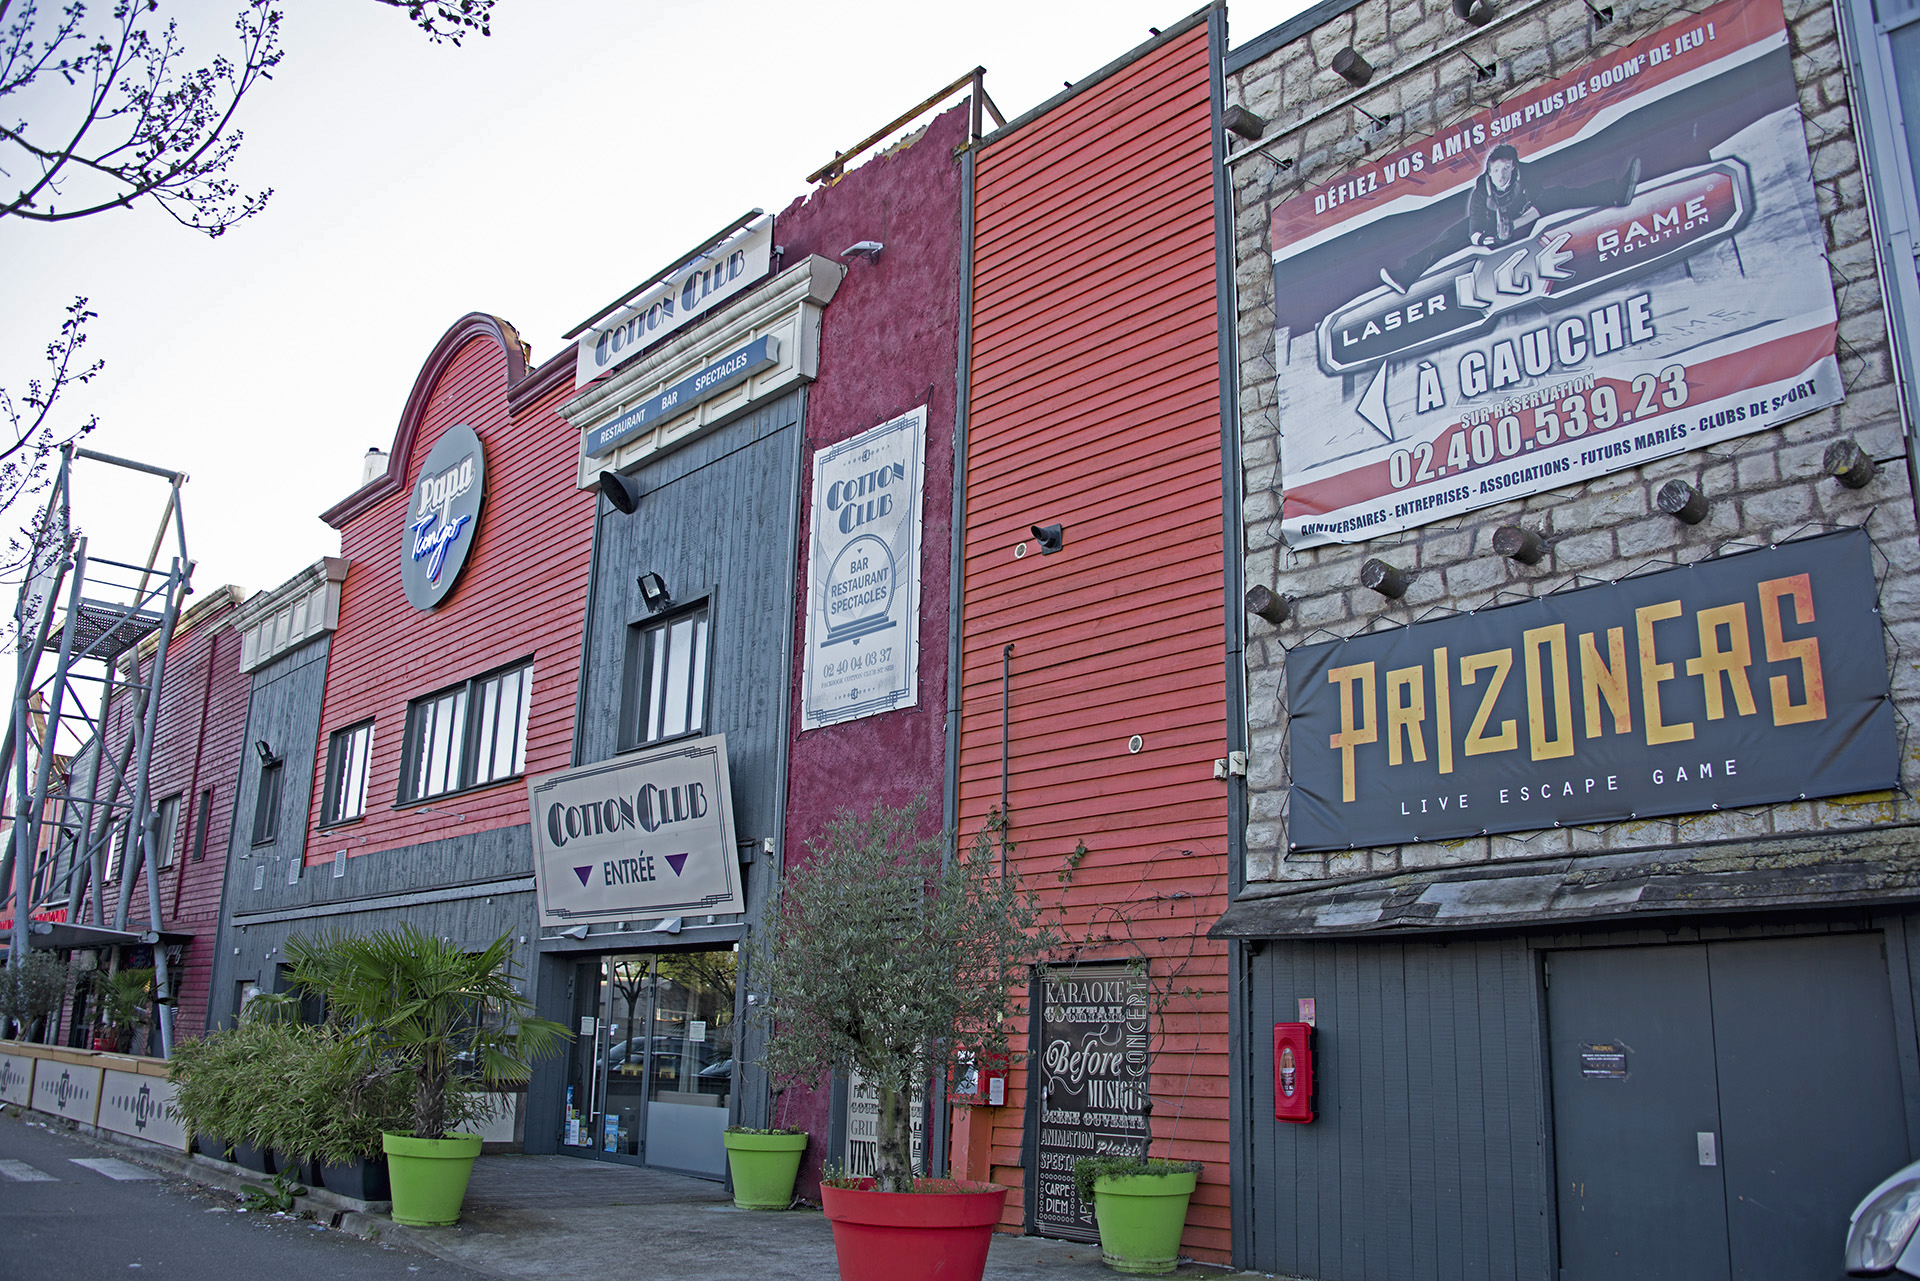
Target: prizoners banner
point(1624, 263)
point(863, 574)
point(1754, 678)
point(649, 834)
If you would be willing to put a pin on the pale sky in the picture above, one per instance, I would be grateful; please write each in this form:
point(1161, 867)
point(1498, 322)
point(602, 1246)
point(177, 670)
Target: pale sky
point(536, 175)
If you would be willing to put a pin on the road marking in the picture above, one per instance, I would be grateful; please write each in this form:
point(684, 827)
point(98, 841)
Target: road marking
point(21, 1172)
point(113, 1168)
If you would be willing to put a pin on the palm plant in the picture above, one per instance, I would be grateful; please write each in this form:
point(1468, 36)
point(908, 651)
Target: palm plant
point(885, 955)
point(411, 1005)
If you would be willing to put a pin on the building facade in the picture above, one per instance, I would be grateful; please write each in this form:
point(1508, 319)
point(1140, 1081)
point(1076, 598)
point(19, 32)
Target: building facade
point(448, 678)
point(769, 455)
point(1580, 543)
point(1091, 726)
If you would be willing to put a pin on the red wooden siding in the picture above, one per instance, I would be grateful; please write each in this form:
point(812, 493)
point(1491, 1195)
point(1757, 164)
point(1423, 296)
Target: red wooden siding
point(1095, 403)
point(196, 746)
point(521, 596)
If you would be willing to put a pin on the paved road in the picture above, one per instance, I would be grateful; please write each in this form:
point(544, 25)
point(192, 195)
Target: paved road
point(71, 1210)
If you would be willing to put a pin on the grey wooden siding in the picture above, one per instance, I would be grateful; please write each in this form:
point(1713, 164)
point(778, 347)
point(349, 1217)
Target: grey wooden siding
point(1427, 1158)
point(716, 521)
point(1431, 1155)
point(471, 889)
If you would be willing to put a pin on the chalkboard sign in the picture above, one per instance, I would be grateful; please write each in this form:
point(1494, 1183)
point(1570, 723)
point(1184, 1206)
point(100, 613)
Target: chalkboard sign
point(1091, 1066)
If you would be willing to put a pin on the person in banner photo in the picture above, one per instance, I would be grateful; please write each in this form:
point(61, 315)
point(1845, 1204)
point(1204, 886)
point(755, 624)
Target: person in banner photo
point(1504, 206)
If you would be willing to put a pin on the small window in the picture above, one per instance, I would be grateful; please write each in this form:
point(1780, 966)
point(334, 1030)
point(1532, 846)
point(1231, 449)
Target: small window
point(266, 806)
point(116, 850)
point(202, 819)
point(467, 736)
point(666, 678)
point(347, 754)
point(167, 829)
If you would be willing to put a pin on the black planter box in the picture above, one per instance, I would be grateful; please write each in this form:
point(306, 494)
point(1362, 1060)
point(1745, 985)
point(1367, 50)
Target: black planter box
point(208, 1145)
point(259, 1160)
point(363, 1180)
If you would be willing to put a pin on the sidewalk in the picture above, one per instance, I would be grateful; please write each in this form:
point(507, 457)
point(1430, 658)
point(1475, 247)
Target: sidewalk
point(541, 1216)
point(527, 1216)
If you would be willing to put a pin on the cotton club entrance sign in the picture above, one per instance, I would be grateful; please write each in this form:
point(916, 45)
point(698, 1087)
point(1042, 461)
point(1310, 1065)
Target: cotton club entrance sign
point(443, 517)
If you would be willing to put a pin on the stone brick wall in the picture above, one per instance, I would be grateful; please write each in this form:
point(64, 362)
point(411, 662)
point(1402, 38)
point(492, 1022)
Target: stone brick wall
point(1764, 487)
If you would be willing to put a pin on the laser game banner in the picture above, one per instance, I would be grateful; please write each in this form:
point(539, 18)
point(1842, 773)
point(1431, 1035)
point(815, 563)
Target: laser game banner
point(1622, 264)
point(1746, 680)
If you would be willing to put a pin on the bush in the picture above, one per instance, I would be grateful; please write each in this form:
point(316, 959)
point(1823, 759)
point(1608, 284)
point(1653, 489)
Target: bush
point(1089, 1168)
point(32, 991)
point(886, 956)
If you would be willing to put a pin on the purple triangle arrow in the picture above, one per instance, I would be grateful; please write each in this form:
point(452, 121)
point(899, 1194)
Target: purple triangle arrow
point(676, 862)
point(583, 872)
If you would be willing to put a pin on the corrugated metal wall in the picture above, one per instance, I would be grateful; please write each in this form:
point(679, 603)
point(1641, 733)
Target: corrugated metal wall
point(1094, 402)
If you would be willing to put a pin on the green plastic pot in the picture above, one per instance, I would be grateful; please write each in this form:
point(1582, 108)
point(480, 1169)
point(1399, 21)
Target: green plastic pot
point(429, 1177)
point(764, 1167)
point(1141, 1217)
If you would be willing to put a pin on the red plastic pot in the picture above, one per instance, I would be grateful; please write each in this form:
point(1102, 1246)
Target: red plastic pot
point(939, 1233)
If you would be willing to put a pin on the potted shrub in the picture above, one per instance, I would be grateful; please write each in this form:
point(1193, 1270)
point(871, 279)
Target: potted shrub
point(447, 1021)
point(123, 999)
point(31, 994)
point(764, 1165)
point(1140, 1205)
point(886, 956)
point(232, 1084)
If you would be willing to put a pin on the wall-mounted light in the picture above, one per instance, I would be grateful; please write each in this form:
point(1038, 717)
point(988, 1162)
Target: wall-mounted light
point(653, 592)
point(1351, 67)
point(867, 249)
point(1268, 604)
point(1683, 502)
point(264, 752)
point(622, 492)
point(1849, 464)
point(1516, 543)
point(1477, 12)
point(1239, 120)
point(669, 926)
point(1050, 537)
point(1384, 578)
point(574, 932)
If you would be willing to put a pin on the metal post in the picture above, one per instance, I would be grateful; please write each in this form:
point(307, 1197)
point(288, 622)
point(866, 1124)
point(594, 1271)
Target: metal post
point(162, 992)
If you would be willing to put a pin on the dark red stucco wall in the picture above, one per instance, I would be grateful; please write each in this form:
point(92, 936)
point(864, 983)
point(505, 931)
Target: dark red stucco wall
point(889, 343)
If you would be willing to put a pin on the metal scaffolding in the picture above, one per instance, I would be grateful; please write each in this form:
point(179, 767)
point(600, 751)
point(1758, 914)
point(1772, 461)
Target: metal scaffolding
point(106, 624)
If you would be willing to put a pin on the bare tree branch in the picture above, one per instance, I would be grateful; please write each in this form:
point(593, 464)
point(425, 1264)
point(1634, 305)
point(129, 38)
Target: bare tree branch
point(450, 21)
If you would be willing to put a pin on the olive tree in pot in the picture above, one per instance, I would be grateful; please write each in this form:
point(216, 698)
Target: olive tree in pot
point(888, 956)
point(450, 1022)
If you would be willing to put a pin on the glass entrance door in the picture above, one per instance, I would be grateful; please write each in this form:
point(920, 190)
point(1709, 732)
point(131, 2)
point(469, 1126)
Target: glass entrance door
point(653, 1071)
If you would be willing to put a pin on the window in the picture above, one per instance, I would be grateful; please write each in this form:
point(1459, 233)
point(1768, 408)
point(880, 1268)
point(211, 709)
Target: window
point(202, 818)
point(166, 829)
point(266, 806)
point(347, 754)
point(467, 736)
point(666, 694)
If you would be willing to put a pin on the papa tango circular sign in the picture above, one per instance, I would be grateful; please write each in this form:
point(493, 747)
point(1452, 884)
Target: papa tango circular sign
point(443, 517)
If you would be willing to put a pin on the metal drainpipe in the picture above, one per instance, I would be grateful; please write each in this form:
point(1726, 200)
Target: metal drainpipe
point(1006, 685)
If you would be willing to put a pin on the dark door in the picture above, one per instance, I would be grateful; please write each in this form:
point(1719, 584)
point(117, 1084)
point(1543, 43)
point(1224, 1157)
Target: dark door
point(1720, 1108)
point(1633, 1088)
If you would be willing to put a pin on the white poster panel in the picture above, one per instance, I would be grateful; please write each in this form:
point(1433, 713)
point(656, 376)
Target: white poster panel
point(141, 1106)
point(861, 1156)
point(686, 293)
point(863, 574)
point(1624, 263)
point(66, 1089)
point(16, 1079)
point(649, 834)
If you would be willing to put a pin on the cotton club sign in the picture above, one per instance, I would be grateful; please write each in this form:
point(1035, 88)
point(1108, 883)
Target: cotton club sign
point(443, 517)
